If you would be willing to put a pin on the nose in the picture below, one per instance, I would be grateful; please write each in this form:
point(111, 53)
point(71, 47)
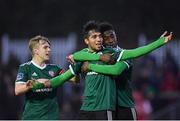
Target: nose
point(49, 49)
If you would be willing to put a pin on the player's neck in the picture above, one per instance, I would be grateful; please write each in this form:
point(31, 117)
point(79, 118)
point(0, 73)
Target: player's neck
point(38, 62)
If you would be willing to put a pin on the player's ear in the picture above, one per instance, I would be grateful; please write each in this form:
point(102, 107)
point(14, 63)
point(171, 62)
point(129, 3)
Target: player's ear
point(86, 41)
point(35, 51)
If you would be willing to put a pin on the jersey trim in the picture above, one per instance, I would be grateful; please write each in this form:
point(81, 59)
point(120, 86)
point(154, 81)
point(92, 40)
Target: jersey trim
point(38, 65)
point(72, 71)
point(21, 82)
point(120, 55)
point(126, 64)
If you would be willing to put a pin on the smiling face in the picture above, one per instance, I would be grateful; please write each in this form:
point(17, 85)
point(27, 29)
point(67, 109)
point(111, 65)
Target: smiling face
point(94, 41)
point(109, 38)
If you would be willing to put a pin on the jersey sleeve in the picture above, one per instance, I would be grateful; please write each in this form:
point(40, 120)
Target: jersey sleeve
point(75, 68)
point(59, 80)
point(137, 52)
point(115, 69)
point(84, 55)
point(21, 75)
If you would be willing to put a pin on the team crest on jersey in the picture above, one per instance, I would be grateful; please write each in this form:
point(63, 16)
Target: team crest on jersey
point(19, 76)
point(51, 73)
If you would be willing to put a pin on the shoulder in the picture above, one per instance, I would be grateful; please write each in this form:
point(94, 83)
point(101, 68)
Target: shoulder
point(25, 65)
point(84, 50)
point(54, 66)
point(110, 50)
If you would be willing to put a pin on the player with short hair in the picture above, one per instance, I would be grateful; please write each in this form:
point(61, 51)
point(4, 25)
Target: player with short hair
point(99, 97)
point(41, 102)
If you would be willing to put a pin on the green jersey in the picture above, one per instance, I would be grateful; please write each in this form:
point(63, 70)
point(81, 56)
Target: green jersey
point(124, 89)
point(100, 90)
point(124, 85)
point(40, 103)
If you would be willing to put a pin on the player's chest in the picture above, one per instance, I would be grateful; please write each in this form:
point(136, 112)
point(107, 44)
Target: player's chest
point(44, 73)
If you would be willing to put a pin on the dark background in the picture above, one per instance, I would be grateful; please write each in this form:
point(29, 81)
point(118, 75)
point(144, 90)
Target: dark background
point(25, 18)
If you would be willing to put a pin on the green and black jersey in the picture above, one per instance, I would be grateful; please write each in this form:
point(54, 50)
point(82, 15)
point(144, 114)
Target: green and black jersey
point(124, 89)
point(40, 103)
point(100, 89)
point(124, 86)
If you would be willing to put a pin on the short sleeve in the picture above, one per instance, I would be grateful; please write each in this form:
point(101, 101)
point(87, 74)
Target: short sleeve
point(21, 75)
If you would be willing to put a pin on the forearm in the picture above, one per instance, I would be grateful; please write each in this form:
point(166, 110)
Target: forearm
point(115, 69)
point(134, 53)
point(59, 80)
point(21, 89)
point(85, 56)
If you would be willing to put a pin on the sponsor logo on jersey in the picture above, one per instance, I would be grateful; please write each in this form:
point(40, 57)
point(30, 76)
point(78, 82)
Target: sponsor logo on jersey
point(91, 73)
point(19, 76)
point(44, 90)
point(34, 74)
point(51, 73)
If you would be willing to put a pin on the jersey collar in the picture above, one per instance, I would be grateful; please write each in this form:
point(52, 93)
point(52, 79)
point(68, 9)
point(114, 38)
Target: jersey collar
point(40, 67)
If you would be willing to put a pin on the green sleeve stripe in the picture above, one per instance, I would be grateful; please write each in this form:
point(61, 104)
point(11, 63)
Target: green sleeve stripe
point(71, 69)
point(120, 55)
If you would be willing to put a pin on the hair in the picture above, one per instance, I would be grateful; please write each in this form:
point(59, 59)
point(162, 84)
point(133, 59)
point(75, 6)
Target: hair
point(105, 26)
point(89, 26)
point(35, 40)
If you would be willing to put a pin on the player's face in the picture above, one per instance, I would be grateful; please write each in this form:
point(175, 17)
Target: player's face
point(43, 50)
point(94, 41)
point(109, 38)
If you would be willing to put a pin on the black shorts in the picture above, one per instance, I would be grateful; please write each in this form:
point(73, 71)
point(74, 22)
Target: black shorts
point(95, 115)
point(125, 113)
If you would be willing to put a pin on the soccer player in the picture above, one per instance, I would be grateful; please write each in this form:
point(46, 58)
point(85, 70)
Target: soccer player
point(125, 104)
point(41, 102)
point(99, 97)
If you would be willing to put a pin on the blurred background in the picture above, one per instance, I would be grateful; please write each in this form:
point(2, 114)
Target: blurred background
point(156, 76)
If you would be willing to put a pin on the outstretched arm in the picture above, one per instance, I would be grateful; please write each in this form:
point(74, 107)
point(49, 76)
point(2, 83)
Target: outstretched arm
point(126, 54)
point(134, 53)
point(58, 80)
point(54, 82)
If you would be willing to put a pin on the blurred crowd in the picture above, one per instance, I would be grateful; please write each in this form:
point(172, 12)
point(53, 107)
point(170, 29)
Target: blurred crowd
point(155, 86)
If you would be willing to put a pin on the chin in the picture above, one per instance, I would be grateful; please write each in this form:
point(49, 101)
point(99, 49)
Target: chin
point(47, 59)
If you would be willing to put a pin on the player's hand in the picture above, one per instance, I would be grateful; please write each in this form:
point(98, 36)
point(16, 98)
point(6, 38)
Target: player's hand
point(84, 67)
point(106, 58)
point(168, 37)
point(29, 84)
point(70, 59)
point(46, 82)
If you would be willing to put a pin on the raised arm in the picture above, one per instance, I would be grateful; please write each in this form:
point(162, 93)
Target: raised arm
point(137, 52)
point(125, 54)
